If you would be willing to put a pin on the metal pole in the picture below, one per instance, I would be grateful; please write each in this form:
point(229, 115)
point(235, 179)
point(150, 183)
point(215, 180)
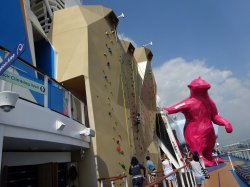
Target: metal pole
point(230, 161)
point(125, 181)
point(248, 155)
point(69, 105)
point(46, 94)
point(175, 184)
point(187, 179)
point(181, 177)
point(164, 183)
point(149, 178)
point(191, 176)
point(112, 183)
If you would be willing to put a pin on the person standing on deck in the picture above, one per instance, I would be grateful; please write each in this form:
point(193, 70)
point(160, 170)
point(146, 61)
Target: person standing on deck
point(197, 169)
point(135, 170)
point(167, 168)
point(151, 168)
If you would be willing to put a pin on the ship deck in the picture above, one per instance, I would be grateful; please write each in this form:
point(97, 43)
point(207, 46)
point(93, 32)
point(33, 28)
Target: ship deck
point(224, 176)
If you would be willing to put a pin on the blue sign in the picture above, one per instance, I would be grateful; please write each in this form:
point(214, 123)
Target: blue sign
point(11, 58)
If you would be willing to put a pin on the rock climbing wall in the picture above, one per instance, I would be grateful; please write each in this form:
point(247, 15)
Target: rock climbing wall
point(103, 72)
point(146, 91)
point(110, 112)
point(140, 95)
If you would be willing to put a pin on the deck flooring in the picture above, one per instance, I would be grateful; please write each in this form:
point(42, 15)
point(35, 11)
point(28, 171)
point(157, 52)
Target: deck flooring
point(223, 177)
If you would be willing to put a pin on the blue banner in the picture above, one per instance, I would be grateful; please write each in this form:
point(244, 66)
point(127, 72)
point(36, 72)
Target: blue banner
point(11, 58)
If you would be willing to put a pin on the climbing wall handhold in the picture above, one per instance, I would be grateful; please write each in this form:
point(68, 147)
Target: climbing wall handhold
point(122, 165)
point(118, 148)
point(110, 51)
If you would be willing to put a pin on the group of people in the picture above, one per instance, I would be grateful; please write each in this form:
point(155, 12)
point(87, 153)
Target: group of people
point(138, 171)
point(138, 176)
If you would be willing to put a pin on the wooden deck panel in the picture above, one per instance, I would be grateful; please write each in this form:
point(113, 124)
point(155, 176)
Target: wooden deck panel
point(223, 177)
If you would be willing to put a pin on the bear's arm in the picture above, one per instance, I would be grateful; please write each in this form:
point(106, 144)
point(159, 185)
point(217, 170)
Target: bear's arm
point(179, 107)
point(219, 120)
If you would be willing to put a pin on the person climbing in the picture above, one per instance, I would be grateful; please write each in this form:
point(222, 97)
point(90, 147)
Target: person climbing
point(135, 170)
point(151, 168)
point(167, 168)
point(137, 119)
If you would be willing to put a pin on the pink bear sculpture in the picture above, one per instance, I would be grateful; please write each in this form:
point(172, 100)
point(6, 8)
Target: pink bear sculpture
point(200, 111)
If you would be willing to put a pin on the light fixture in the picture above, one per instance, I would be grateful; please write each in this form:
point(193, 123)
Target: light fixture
point(60, 125)
point(82, 152)
point(150, 43)
point(121, 16)
point(8, 100)
point(88, 132)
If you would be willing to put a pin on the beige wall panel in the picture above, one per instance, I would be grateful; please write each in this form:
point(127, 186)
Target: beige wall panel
point(111, 124)
point(147, 97)
point(94, 13)
point(133, 86)
point(69, 36)
point(72, 54)
point(68, 19)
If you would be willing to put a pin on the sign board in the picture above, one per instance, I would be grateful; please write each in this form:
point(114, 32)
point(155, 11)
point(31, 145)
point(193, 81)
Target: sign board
point(23, 82)
point(11, 57)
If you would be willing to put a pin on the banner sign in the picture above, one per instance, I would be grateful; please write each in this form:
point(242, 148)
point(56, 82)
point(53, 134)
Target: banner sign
point(8, 60)
point(23, 82)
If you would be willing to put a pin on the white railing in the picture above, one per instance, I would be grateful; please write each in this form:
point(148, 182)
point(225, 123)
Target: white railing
point(242, 153)
point(186, 178)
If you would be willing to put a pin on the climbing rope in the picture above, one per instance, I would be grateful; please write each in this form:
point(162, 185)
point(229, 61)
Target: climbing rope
point(126, 116)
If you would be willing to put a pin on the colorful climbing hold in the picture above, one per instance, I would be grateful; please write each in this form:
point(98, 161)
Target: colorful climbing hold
point(118, 149)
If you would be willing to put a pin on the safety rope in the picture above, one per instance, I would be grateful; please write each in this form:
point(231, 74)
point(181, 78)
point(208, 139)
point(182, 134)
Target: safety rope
point(132, 64)
point(125, 113)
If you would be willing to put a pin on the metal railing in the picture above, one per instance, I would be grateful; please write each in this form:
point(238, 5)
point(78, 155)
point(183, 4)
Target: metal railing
point(34, 86)
point(113, 180)
point(183, 177)
point(243, 154)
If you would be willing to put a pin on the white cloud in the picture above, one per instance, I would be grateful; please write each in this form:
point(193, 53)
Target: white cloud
point(230, 94)
point(122, 36)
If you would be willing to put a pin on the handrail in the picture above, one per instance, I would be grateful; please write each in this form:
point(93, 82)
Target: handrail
point(34, 67)
point(243, 154)
point(157, 171)
point(112, 178)
point(160, 179)
point(241, 150)
point(47, 78)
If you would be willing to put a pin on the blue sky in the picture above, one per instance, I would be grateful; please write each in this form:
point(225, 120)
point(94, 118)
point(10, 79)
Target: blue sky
point(191, 38)
point(217, 31)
